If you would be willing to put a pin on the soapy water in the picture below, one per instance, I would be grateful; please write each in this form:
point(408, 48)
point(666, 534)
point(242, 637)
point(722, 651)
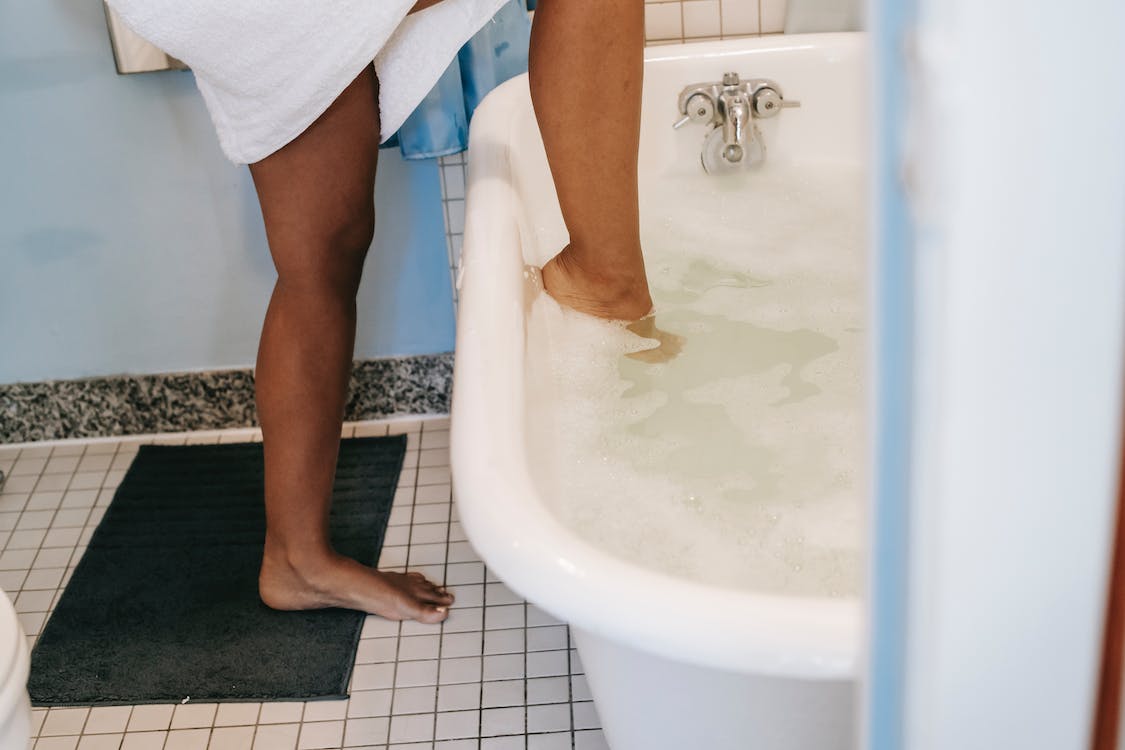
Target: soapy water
point(738, 462)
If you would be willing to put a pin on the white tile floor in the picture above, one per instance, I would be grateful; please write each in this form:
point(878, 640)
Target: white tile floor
point(499, 674)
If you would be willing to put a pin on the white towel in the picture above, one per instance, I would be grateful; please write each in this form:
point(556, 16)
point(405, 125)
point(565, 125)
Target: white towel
point(268, 68)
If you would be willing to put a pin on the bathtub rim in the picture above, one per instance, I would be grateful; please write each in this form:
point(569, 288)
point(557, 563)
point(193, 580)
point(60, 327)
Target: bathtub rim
point(522, 541)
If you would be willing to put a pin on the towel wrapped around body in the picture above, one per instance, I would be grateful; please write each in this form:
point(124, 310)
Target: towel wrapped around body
point(268, 68)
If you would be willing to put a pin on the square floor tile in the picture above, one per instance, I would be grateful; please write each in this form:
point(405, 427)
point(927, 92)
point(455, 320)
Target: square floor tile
point(107, 719)
point(321, 734)
point(276, 737)
point(232, 738)
point(554, 717)
point(552, 741)
point(62, 721)
point(460, 697)
point(548, 690)
point(144, 741)
point(237, 714)
point(369, 703)
point(415, 700)
point(412, 728)
point(502, 694)
point(192, 716)
point(457, 725)
point(497, 721)
point(187, 739)
point(590, 740)
point(366, 732)
point(147, 718)
point(100, 741)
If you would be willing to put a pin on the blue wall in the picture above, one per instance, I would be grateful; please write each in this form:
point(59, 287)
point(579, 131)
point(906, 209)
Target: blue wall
point(890, 22)
point(128, 244)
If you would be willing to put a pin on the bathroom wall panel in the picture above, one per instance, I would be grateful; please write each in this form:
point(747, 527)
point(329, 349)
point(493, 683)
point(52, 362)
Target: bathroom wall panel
point(773, 16)
point(664, 22)
point(739, 17)
point(129, 244)
point(684, 20)
point(702, 19)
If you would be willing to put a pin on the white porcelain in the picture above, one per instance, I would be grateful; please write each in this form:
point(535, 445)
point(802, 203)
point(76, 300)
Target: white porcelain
point(671, 663)
point(15, 665)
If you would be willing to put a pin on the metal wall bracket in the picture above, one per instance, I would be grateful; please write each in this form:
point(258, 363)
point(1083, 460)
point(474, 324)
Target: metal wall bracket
point(132, 53)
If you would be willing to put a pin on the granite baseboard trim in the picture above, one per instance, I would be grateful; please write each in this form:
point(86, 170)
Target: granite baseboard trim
point(181, 402)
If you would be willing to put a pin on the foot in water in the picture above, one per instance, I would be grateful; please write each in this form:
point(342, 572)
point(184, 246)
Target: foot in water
point(623, 297)
point(336, 581)
point(613, 296)
point(668, 345)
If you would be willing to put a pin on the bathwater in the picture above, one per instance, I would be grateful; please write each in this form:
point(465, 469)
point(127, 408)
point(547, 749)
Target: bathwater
point(738, 461)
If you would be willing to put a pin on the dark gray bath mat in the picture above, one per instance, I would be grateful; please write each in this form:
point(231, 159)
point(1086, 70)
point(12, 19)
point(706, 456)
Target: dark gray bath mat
point(163, 607)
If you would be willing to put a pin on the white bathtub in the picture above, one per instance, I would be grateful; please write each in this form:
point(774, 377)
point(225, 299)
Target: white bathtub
point(671, 664)
point(15, 666)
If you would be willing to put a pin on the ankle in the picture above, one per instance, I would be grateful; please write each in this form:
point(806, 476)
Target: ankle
point(309, 560)
point(605, 290)
point(591, 264)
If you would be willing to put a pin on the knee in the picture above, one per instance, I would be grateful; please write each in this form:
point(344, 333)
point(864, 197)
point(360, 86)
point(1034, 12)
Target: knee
point(348, 241)
point(359, 225)
point(333, 257)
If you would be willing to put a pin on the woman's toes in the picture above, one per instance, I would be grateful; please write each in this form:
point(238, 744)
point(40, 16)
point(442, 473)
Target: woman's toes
point(431, 594)
point(424, 589)
point(433, 614)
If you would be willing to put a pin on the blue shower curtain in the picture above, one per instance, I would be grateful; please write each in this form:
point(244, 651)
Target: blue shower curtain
point(440, 124)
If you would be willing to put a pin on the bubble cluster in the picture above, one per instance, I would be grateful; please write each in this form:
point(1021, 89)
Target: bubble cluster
point(740, 462)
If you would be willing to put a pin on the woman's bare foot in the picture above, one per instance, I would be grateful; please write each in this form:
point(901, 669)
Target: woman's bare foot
point(668, 345)
point(617, 294)
point(337, 581)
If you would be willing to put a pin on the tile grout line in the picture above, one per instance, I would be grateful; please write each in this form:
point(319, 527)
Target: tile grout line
point(7, 477)
point(80, 546)
point(444, 578)
point(398, 637)
point(570, 690)
point(483, 631)
point(526, 719)
point(62, 583)
point(39, 547)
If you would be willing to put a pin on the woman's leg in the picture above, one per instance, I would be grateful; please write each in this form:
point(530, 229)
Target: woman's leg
point(586, 67)
point(317, 198)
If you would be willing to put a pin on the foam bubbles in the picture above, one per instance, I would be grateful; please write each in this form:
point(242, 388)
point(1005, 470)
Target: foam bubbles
point(738, 463)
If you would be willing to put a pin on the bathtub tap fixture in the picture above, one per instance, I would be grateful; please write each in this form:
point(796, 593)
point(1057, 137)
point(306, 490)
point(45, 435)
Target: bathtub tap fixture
point(728, 109)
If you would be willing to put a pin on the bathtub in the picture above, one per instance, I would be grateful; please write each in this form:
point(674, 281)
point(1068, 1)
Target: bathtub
point(670, 663)
point(15, 666)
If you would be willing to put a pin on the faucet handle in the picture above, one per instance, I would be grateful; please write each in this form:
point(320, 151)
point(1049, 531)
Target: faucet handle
point(699, 107)
point(767, 102)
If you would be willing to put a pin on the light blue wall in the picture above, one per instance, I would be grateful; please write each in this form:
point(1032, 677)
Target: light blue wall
point(129, 244)
point(890, 22)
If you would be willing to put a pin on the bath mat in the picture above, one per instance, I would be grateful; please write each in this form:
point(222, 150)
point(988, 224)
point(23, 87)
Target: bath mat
point(164, 608)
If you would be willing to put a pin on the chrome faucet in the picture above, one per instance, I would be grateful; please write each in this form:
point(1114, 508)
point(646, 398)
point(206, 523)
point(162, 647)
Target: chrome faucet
point(730, 107)
point(735, 106)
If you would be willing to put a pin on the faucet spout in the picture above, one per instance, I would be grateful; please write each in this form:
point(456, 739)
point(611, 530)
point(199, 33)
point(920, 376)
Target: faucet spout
point(736, 108)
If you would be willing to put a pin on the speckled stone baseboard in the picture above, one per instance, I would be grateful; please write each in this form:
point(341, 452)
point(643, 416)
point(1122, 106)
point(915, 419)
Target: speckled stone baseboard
point(142, 404)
